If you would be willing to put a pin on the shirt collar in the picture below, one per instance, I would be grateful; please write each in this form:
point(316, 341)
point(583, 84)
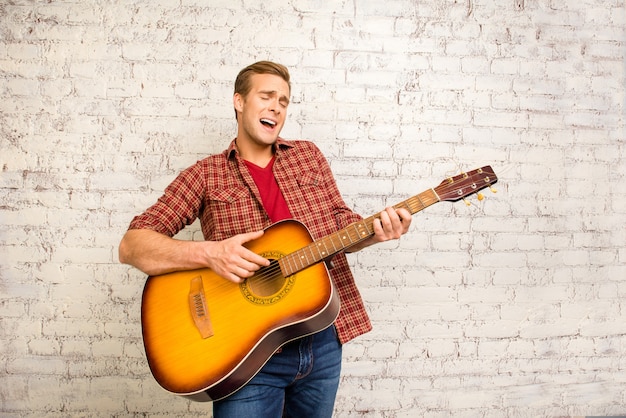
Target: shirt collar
point(280, 144)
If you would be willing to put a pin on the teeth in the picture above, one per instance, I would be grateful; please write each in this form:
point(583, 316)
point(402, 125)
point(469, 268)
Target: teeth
point(268, 122)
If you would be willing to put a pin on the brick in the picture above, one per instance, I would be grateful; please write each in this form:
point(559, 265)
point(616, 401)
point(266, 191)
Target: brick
point(427, 295)
point(37, 365)
point(108, 348)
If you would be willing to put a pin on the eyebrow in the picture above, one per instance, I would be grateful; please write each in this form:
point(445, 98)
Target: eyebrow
point(274, 93)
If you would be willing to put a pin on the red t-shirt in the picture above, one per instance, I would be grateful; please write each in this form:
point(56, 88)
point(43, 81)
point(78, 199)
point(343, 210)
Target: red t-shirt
point(271, 196)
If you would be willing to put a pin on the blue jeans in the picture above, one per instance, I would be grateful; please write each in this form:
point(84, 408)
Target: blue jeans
point(299, 381)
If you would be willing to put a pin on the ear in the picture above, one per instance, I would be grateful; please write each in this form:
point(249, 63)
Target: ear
point(238, 102)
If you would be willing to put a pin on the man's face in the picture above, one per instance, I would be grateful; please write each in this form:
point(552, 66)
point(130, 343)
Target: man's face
point(262, 112)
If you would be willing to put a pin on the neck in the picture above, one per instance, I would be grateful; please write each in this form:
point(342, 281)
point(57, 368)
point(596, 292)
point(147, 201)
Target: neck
point(259, 155)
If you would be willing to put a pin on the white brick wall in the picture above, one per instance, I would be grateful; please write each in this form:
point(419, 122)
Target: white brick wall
point(511, 307)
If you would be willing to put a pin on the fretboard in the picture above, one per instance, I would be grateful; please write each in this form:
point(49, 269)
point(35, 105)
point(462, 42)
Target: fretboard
point(343, 239)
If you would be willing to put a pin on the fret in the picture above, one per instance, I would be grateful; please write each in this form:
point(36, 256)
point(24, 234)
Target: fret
point(323, 252)
point(364, 228)
point(298, 258)
point(357, 233)
point(329, 240)
point(311, 258)
point(343, 239)
point(337, 243)
point(297, 262)
point(361, 231)
point(422, 205)
point(420, 201)
point(404, 205)
point(344, 236)
point(353, 233)
point(286, 265)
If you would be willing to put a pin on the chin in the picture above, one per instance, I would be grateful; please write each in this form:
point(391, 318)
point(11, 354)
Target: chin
point(269, 140)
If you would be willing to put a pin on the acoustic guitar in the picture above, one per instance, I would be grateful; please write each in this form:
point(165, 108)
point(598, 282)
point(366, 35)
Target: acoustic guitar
point(205, 336)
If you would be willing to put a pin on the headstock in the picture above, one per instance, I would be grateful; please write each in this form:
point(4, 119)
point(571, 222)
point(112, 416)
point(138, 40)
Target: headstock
point(457, 187)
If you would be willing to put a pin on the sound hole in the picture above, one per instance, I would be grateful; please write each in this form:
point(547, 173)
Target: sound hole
point(267, 281)
point(267, 286)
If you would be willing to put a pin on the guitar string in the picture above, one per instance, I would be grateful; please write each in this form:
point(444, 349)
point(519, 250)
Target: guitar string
point(273, 271)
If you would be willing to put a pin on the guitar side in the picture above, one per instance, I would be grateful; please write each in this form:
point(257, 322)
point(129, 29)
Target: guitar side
point(248, 321)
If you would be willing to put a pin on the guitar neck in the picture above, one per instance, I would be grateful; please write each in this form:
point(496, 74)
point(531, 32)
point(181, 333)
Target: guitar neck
point(343, 239)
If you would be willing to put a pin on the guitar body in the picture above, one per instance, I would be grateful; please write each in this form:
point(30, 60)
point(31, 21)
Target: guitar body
point(205, 336)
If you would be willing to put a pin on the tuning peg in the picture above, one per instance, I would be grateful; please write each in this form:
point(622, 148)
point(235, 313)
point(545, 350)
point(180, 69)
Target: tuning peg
point(493, 189)
point(480, 196)
point(467, 203)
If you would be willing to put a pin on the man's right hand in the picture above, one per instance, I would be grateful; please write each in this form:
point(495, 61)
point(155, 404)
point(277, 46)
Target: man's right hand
point(156, 254)
point(231, 260)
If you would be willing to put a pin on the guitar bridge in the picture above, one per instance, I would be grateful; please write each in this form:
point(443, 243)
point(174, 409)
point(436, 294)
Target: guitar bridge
point(198, 308)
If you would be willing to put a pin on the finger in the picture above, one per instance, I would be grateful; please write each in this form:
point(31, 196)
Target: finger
point(235, 253)
point(391, 221)
point(238, 274)
point(233, 278)
point(405, 219)
point(400, 219)
point(378, 227)
point(404, 215)
point(242, 272)
point(392, 224)
point(253, 264)
point(385, 220)
point(248, 236)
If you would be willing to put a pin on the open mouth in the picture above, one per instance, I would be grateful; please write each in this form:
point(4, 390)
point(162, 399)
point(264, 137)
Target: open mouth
point(268, 122)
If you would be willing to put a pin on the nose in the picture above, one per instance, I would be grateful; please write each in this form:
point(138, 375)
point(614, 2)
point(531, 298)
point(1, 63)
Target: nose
point(274, 106)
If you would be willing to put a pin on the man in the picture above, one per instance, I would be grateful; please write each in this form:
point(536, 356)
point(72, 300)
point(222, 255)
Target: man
point(259, 180)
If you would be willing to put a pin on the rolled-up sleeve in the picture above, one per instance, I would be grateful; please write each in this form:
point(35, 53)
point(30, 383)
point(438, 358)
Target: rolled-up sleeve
point(179, 205)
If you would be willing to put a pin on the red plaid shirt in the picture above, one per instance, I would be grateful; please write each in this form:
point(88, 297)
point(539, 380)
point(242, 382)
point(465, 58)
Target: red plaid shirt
point(221, 192)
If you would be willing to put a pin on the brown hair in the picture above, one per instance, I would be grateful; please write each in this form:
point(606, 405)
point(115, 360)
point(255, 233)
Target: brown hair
point(242, 83)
